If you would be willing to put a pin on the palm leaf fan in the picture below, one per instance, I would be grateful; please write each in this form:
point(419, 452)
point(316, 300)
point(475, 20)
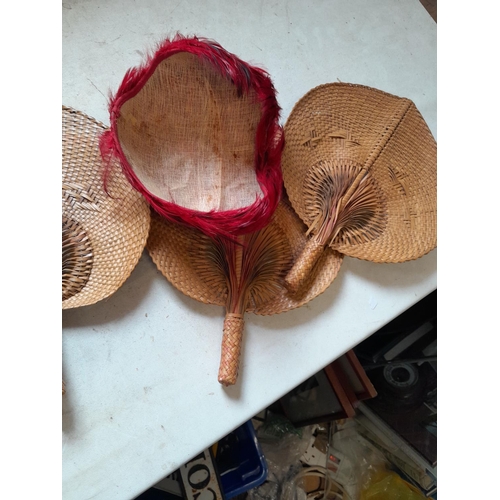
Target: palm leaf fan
point(243, 276)
point(196, 131)
point(103, 233)
point(359, 166)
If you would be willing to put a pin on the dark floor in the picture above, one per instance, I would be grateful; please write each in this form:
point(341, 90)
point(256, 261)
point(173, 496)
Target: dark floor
point(431, 7)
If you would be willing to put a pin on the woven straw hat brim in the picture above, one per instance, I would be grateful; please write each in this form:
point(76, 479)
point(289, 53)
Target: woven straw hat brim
point(103, 236)
point(354, 125)
point(169, 246)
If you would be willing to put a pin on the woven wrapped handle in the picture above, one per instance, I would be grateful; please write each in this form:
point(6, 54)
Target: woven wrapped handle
point(231, 347)
point(304, 264)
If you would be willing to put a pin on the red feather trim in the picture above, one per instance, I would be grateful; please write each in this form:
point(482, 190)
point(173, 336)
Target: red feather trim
point(269, 140)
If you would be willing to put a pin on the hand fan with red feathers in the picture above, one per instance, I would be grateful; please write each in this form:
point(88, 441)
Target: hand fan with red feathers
point(196, 131)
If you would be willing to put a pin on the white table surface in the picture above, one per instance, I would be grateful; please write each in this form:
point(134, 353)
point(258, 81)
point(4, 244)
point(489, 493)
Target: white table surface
point(141, 366)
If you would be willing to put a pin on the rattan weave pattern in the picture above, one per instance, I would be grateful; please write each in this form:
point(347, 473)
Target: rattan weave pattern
point(230, 348)
point(116, 225)
point(388, 142)
point(169, 245)
point(77, 258)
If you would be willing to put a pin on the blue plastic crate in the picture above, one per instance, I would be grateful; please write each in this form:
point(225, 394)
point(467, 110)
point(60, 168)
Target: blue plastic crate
point(240, 461)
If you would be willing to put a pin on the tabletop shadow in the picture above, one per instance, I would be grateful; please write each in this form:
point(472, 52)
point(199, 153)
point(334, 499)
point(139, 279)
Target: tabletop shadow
point(118, 305)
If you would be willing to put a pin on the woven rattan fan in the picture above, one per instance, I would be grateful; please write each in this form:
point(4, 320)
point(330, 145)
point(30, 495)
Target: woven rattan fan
point(359, 166)
point(103, 234)
point(247, 279)
point(196, 131)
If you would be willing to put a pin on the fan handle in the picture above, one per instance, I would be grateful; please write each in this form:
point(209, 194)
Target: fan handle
point(304, 264)
point(231, 348)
